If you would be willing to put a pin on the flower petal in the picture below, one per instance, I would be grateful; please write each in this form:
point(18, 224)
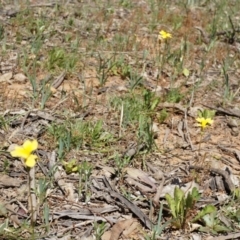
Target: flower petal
point(200, 119)
point(30, 146)
point(19, 151)
point(209, 121)
point(164, 34)
point(31, 160)
point(203, 122)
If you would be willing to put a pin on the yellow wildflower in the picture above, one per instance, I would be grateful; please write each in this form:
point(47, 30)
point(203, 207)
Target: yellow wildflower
point(25, 152)
point(203, 122)
point(164, 35)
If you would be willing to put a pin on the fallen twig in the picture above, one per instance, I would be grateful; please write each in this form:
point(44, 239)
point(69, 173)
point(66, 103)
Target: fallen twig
point(220, 172)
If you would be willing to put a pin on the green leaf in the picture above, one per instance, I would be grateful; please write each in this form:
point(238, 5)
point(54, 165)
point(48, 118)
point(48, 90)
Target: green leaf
point(155, 103)
point(3, 226)
point(189, 201)
point(237, 214)
point(171, 204)
point(195, 194)
point(178, 194)
point(71, 166)
point(209, 219)
point(181, 211)
point(207, 230)
point(206, 210)
point(179, 200)
point(221, 228)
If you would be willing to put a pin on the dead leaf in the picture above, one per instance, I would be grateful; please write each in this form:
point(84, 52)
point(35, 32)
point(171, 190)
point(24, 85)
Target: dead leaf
point(6, 210)
point(58, 81)
point(139, 175)
point(131, 228)
point(119, 227)
point(186, 188)
point(107, 171)
point(106, 235)
point(6, 181)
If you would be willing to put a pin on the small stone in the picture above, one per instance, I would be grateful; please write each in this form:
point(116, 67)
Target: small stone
point(6, 77)
point(20, 77)
point(234, 131)
point(232, 123)
point(24, 42)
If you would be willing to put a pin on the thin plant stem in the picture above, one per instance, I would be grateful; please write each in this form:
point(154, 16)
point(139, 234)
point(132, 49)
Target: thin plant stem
point(33, 199)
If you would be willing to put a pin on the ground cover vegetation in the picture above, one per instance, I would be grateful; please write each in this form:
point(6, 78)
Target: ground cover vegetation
point(119, 119)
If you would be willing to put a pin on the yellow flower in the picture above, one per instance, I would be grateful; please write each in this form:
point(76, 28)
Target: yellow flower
point(203, 122)
point(164, 35)
point(25, 152)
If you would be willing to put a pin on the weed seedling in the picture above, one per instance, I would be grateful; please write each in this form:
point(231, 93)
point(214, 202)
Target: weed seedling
point(174, 95)
point(99, 229)
point(209, 217)
point(84, 170)
point(104, 68)
point(159, 227)
point(121, 162)
point(181, 206)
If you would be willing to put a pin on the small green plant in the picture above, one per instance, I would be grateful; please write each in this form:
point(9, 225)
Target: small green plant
point(4, 224)
point(84, 170)
point(1, 32)
point(120, 68)
point(150, 100)
point(73, 134)
point(209, 217)
point(30, 69)
point(158, 228)
point(135, 105)
point(63, 136)
point(126, 3)
point(71, 166)
point(206, 210)
point(134, 79)
point(99, 229)
point(121, 162)
point(145, 133)
point(42, 187)
point(228, 95)
point(232, 210)
point(58, 57)
point(6, 165)
point(37, 32)
point(181, 205)
point(132, 106)
point(104, 68)
point(4, 123)
point(163, 115)
point(46, 92)
point(236, 194)
point(206, 113)
point(41, 90)
point(236, 216)
point(174, 95)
